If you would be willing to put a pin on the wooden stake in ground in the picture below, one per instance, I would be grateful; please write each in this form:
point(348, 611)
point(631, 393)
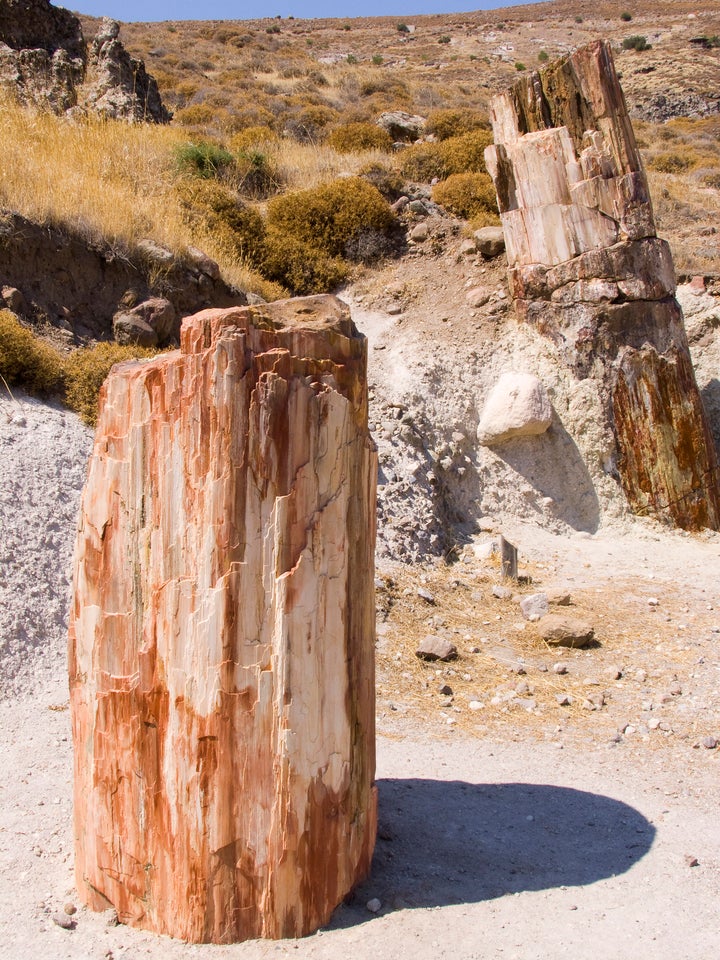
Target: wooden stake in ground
point(222, 630)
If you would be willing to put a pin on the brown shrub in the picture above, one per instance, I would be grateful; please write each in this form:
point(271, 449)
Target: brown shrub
point(448, 123)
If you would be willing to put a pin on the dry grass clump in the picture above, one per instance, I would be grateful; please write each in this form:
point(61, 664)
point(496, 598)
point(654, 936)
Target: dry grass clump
point(25, 360)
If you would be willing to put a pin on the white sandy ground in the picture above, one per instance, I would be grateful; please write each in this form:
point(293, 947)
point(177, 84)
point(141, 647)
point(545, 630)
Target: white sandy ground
point(494, 847)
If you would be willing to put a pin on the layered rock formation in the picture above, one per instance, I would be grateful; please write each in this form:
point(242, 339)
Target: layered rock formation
point(44, 59)
point(586, 267)
point(222, 629)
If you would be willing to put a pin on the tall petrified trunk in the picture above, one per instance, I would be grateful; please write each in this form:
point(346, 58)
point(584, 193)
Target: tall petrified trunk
point(587, 269)
point(222, 629)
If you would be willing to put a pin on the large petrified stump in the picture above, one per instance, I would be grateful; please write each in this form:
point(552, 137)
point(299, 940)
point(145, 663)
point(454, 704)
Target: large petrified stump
point(587, 269)
point(222, 629)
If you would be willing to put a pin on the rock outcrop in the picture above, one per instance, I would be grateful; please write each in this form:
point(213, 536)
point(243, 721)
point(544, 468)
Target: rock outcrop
point(222, 629)
point(45, 61)
point(118, 85)
point(80, 287)
point(587, 269)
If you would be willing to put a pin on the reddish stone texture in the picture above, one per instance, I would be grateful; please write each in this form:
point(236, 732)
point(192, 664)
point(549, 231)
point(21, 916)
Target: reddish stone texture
point(222, 630)
point(587, 269)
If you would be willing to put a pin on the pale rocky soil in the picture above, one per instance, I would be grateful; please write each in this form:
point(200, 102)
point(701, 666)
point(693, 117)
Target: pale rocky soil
point(518, 828)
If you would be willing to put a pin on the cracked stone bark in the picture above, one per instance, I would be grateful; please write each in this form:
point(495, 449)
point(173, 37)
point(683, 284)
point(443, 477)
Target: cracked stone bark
point(222, 629)
point(587, 269)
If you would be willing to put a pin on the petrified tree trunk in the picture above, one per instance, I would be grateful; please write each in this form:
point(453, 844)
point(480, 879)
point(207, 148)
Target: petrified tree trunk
point(587, 269)
point(222, 629)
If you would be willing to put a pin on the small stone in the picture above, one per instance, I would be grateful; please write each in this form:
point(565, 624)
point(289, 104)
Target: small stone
point(560, 668)
point(675, 690)
point(419, 233)
point(477, 297)
point(653, 723)
point(111, 918)
point(468, 248)
point(64, 921)
point(558, 598)
point(710, 743)
point(374, 905)
point(425, 595)
point(518, 668)
point(436, 648)
point(653, 601)
point(502, 593)
point(691, 861)
point(446, 690)
point(522, 688)
point(614, 673)
point(564, 699)
point(641, 676)
point(490, 241)
point(70, 909)
point(476, 705)
point(561, 631)
point(534, 606)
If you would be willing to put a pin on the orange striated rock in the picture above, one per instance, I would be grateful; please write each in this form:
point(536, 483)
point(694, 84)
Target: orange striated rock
point(587, 269)
point(222, 629)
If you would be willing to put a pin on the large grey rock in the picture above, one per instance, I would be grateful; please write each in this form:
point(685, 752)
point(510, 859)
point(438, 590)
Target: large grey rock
point(151, 322)
point(517, 406)
point(402, 126)
point(490, 241)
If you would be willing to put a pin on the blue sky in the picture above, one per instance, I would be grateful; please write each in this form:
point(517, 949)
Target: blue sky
point(137, 10)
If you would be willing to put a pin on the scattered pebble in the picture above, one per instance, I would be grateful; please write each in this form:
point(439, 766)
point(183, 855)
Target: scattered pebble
point(374, 905)
point(710, 743)
point(64, 921)
point(425, 595)
point(560, 668)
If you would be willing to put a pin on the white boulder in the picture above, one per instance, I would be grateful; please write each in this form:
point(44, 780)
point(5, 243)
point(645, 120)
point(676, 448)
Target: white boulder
point(517, 406)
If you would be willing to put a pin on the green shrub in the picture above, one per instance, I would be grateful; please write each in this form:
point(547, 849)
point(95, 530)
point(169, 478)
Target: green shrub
point(300, 266)
point(213, 208)
point(626, 16)
point(354, 137)
point(377, 59)
point(403, 28)
point(85, 373)
point(444, 39)
point(543, 56)
point(351, 58)
point(444, 124)
point(330, 217)
point(519, 65)
point(636, 43)
point(202, 159)
point(25, 360)
point(466, 195)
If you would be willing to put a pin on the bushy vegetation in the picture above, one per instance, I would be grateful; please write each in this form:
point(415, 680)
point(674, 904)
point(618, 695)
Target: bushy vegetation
point(468, 195)
point(25, 360)
point(28, 362)
point(330, 216)
point(636, 42)
point(464, 154)
point(202, 159)
point(671, 162)
point(355, 137)
point(213, 208)
point(86, 370)
point(447, 123)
